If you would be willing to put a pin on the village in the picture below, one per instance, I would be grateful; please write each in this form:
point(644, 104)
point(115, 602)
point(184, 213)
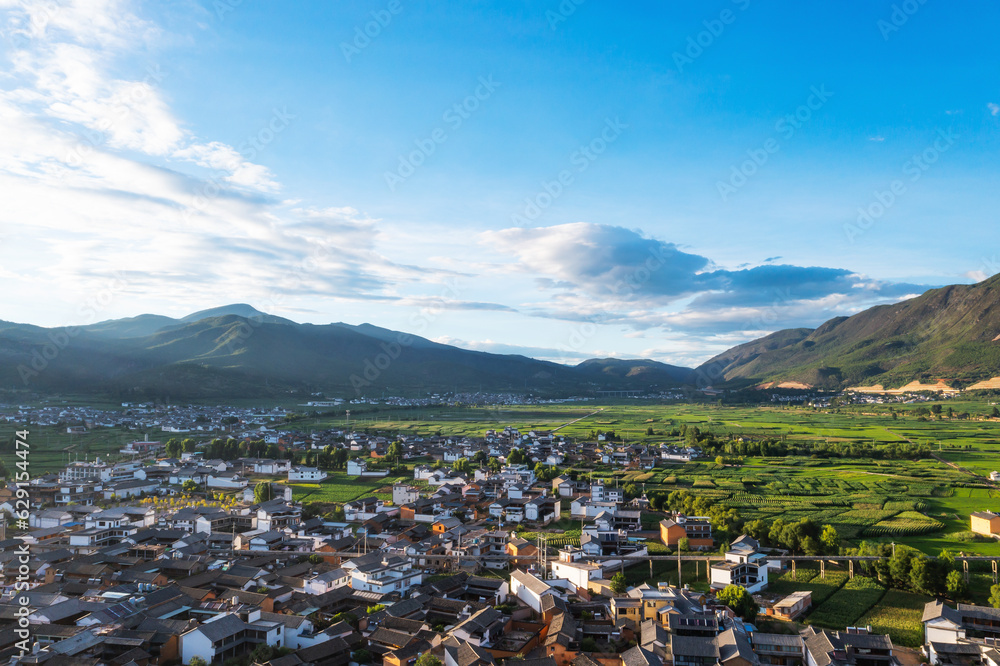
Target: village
point(178, 557)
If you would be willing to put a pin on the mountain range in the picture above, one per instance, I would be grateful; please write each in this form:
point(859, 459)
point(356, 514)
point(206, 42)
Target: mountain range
point(236, 351)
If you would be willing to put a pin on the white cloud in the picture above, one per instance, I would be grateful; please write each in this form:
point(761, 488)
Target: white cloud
point(99, 177)
point(994, 108)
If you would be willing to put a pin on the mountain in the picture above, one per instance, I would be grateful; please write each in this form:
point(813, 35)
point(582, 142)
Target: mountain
point(237, 351)
point(637, 374)
point(951, 333)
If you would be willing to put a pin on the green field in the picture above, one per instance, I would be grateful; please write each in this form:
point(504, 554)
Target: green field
point(923, 503)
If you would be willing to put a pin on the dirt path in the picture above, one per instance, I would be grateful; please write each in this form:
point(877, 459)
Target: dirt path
point(578, 420)
point(955, 466)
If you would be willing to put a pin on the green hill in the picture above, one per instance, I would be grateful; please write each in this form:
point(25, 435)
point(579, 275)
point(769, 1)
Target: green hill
point(947, 333)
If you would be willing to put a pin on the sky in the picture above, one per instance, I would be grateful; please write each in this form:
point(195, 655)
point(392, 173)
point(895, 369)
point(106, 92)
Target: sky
point(563, 179)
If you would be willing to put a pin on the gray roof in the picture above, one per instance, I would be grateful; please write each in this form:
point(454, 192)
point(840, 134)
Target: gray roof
point(225, 626)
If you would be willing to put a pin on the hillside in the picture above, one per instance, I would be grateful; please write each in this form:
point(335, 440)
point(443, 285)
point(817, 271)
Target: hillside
point(236, 351)
point(952, 332)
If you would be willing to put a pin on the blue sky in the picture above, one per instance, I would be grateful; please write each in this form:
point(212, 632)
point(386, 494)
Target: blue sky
point(565, 180)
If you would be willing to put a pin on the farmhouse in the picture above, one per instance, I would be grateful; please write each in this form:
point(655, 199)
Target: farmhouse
point(985, 522)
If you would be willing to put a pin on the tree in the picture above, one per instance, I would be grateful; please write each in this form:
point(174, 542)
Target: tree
point(720, 461)
point(427, 659)
point(174, 448)
point(683, 544)
point(995, 413)
point(995, 596)
point(741, 601)
point(262, 492)
point(829, 538)
point(956, 586)
point(395, 451)
point(461, 466)
point(189, 486)
point(189, 445)
point(362, 656)
point(515, 457)
point(197, 661)
point(925, 576)
point(495, 465)
point(618, 583)
point(315, 558)
point(588, 644)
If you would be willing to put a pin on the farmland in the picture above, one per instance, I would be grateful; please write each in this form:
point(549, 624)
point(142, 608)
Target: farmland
point(923, 503)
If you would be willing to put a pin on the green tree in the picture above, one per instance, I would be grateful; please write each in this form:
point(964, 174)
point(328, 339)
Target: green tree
point(829, 538)
point(741, 601)
point(189, 486)
point(362, 656)
point(427, 659)
point(720, 461)
point(462, 466)
point(618, 583)
point(197, 661)
point(262, 492)
point(995, 596)
point(956, 586)
point(495, 465)
point(174, 448)
point(757, 529)
point(189, 445)
point(315, 558)
point(995, 413)
point(394, 452)
point(588, 644)
point(683, 544)
point(515, 457)
point(925, 576)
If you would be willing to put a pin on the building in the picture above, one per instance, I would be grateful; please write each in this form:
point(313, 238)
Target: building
point(778, 649)
point(696, 529)
point(986, 523)
point(383, 573)
point(226, 636)
point(955, 635)
point(745, 565)
point(308, 474)
point(792, 606)
point(530, 589)
point(854, 647)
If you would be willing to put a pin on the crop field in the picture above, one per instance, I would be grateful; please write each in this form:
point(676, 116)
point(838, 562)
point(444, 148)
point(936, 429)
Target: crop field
point(847, 605)
point(923, 503)
point(898, 614)
point(340, 488)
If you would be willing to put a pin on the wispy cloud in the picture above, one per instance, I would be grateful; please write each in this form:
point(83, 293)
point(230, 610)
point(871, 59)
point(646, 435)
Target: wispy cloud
point(100, 174)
